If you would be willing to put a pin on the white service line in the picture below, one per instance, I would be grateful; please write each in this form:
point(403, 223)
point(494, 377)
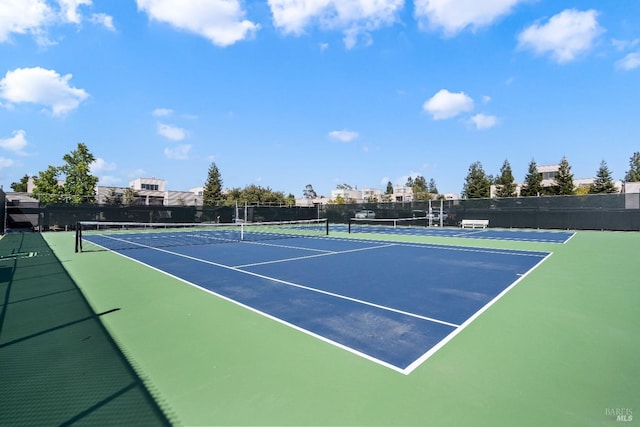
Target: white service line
point(295, 285)
point(314, 256)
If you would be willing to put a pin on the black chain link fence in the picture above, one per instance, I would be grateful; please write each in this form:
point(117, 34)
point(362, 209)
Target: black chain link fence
point(591, 212)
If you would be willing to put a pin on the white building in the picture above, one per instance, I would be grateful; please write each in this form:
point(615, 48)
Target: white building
point(153, 192)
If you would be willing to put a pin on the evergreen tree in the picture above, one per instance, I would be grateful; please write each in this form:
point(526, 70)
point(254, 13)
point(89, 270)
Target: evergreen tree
point(603, 182)
point(212, 187)
point(79, 185)
point(532, 181)
point(420, 190)
point(21, 186)
point(409, 182)
point(633, 174)
point(564, 179)
point(433, 189)
point(505, 183)
point(477, 184)
point(389, 188)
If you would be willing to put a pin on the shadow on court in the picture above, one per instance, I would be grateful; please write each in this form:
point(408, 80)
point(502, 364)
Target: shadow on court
point(58, 364)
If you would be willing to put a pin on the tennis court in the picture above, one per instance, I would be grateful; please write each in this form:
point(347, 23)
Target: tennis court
point(346, 292)
point(412, 227)
point(371, 329)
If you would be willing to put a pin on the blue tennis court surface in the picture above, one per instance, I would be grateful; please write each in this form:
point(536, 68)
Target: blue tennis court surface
point(542, 236)
point(392, 303)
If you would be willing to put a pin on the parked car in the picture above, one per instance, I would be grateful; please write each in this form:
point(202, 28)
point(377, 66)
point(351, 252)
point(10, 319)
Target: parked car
point(365, 214)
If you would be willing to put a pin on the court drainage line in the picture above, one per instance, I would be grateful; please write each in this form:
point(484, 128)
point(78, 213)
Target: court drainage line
point(311, 256)
point(295, 285)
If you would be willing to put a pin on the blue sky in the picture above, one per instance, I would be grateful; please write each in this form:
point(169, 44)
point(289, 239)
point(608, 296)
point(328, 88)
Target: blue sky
point(285, 93)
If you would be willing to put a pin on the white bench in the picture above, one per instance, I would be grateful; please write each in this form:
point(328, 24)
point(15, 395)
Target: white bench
point(474, 223)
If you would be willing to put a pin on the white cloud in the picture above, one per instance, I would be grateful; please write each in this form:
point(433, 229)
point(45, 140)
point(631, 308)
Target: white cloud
point(355, 18)
point(16, 143)
point(621, 45)
point(629, 62)
point(162, 112)
point(5, 163)
point(484, 121)
point(104, 20)
point(34, 17)
point(565, 36)
point(181, 152)
point(453, 16)
point(445, 104)
point(343, 135)
point(100, 165)
point(40, 86)
point(173, 133)
point(69, 9)
point(22, 17)
point(108, 180)
point(220, 21)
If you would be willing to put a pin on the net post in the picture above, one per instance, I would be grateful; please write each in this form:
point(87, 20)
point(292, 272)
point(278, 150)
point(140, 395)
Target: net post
point(327, 226)
point(349, 228)
point(78, 237)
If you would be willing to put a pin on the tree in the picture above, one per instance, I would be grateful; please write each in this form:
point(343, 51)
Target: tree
point(603, 182)
point(129, 197)
point(112, 197)
point(291, 200)
point(344, 187)
point(21, 186)
point(532, 181)
point(506, 183)
point(255, 194)
point(633, 174)
point(389, 189)
point(309, 192)
point(477, 183)
point(79, 185)
point(409, 182)
point(420, 190)
point(564, 179)
point(47, 189)
point(212, 187)
point(433, 189)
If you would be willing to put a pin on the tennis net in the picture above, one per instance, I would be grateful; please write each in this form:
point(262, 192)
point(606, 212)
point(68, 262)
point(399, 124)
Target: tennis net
point(369, 225)
point(130, 235)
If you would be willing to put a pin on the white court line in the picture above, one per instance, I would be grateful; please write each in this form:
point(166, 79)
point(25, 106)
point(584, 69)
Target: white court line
point(314, 256)
point(467, 322)
point(295, 285)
